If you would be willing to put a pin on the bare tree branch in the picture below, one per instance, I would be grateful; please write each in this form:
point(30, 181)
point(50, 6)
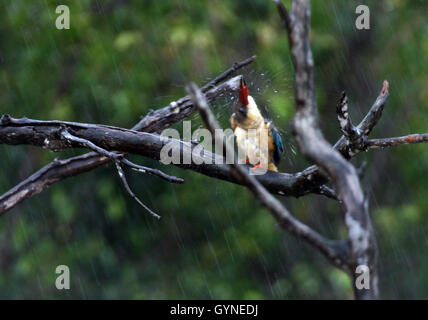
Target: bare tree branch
point(47, 134)
point(328, 192)
point(128, 189)
point(117, 158)
point(311, 142)
point(285, 17)
point(313, 175)
point(375, 113)
point(158, 120)
point(350, 132)
point(354, 141)
point(151, 171)
point(153, 122)
point(88, 144)
point(397, 141)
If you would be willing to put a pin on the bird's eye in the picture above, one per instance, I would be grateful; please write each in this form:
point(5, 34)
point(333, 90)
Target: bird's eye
point(242, 110)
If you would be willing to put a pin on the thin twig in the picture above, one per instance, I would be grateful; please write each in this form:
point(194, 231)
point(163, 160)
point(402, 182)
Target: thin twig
point(235, 67)
point(285, 16)
point(121, 158)
point(128, 189)
point(154, 172)
point(90, 145)
point(397, 141)
point(344, 119)
point(327, 191)
point(375, 113)
point(355, 137)
point(116, 158)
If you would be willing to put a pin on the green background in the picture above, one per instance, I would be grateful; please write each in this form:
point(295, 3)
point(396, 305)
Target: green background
point(122, 58)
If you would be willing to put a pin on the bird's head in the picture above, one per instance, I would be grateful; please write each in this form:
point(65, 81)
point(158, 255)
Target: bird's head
point(246, 108)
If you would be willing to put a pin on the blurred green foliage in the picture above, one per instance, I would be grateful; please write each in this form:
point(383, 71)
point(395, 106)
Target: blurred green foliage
point(122, 58)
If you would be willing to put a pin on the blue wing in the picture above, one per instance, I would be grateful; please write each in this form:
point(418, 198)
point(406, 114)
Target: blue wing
point(277, 140)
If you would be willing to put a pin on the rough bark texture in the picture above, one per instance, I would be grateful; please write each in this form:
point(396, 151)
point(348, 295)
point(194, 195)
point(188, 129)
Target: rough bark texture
point(361, 239)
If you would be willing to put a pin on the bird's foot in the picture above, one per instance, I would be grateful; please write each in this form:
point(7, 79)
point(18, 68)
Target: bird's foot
point(259, 165)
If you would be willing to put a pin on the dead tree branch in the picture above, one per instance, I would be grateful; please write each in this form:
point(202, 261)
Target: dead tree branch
point(128, 189)
point(154, 121)
point(354, 137)
point(397, 141)
point(47, 134)
point(117, 158)
point(305, 128)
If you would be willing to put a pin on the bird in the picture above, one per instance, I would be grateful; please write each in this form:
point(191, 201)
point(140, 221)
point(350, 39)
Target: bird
point(246, 117)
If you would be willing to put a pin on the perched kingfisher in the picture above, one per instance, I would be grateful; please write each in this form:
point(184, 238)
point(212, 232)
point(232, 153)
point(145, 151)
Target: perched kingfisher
point(247, 116)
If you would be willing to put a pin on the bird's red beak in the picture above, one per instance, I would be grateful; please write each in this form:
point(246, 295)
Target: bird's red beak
point(243, 93)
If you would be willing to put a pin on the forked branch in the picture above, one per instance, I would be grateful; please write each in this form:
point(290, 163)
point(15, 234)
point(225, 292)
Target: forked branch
point(313, 145)
point(154, 121)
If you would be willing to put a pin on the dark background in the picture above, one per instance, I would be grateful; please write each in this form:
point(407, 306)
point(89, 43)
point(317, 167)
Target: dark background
point(122, 58)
